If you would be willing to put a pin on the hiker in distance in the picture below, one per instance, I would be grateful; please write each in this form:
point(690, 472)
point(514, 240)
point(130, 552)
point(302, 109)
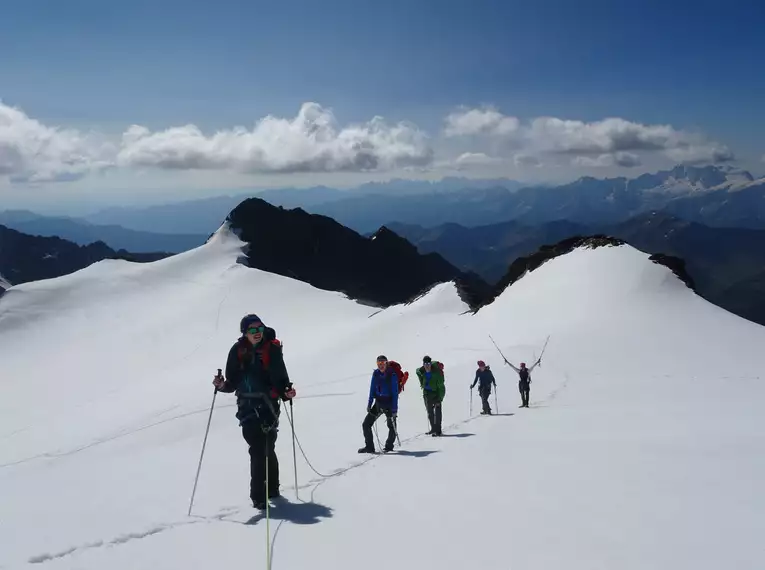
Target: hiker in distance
point(383, 399)
point(431, 375)
point(485, 376)
point(524, 381)
point(255, 370)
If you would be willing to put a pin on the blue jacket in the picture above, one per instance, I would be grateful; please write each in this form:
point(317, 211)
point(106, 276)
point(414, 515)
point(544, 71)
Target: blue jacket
point(383, 389)
point(486, 379)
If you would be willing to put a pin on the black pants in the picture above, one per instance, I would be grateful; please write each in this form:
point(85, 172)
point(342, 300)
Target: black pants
point(261, 443)
point(370, 420)
point(434, 411)
point(524, 388)
point(485, 393)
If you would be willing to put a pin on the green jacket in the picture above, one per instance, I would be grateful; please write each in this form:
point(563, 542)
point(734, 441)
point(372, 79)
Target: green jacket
point(437, 382)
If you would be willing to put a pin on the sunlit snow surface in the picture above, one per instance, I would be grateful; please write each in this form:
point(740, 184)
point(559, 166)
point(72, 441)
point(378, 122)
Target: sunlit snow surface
point(644, 446)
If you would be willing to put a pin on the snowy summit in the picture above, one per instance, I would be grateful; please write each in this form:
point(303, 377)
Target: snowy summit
point(642, 446)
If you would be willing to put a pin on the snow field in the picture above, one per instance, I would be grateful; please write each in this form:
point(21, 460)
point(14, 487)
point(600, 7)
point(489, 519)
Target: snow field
point(643, 446)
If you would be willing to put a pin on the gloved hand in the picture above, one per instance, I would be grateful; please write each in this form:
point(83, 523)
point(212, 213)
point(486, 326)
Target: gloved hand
point(290, 393)
point(394, 415)
point(218, 381)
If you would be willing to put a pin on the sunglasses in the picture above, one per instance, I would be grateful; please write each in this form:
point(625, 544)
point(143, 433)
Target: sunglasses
point(255, 330)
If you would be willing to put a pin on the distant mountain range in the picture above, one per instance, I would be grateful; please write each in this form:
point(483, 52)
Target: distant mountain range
point(727, 264)
point(716, 196)
point(25, 258)
point(204, 216)
point(83, 233)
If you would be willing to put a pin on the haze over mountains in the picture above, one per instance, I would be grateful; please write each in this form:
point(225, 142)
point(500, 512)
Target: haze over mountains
point(719, 196)
point(83, 232)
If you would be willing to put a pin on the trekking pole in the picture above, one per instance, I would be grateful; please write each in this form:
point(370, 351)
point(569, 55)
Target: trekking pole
point(500, 352)
point(268, 513)
point(395, 428)
point(471, 402)
point(204, 443)
point(294, 454)
point(496, 404)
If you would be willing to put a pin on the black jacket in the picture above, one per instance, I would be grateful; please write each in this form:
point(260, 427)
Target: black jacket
point(258, 387)
point(486, 379)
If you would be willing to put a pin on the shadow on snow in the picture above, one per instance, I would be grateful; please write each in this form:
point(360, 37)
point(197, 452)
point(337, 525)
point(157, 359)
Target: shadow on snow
point(407, 453)
point(297, 513)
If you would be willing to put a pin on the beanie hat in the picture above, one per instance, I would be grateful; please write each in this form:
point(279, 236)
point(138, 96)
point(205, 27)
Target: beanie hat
point(481, 363)
point(248, 320)
point(382, 358)
point(426, 359)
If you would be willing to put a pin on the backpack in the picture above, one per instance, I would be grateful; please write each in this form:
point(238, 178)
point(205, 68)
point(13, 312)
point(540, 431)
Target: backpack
point(245, 351)
point(400, 374)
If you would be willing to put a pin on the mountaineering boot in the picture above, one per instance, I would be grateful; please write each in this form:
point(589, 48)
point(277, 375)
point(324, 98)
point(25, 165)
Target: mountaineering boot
point(259, 504)
point(388, 448)
point(366, 449)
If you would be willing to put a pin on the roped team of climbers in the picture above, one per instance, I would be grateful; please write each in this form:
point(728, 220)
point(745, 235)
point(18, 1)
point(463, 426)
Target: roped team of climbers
point(255, 370)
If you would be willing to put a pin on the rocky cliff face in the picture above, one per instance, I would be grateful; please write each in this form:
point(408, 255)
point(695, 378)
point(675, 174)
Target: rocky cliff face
point(381, 270)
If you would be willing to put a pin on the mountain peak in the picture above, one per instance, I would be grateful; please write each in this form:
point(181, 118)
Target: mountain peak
point(384, 269)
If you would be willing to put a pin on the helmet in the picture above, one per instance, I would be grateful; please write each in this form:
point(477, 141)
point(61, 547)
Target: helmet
point(481, 363)
point(248, 320)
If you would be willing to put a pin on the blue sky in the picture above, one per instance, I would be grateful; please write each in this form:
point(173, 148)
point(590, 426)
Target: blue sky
point(104, 66)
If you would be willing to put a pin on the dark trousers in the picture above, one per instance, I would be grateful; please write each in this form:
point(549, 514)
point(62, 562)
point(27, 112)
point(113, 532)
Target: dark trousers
point(485, 393)
point(433, 406)
point(524, 388)
point(366, 426)
point(261, 444)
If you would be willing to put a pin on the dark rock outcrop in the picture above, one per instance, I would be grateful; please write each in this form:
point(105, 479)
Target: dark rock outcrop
point(381, 270)
point(25, 258)
point(677, 266)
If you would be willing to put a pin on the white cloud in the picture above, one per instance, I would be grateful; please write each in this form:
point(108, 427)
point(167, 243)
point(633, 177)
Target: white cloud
point(522, 160)
point(701, 153)
point(310, 142)
point(609, 139)
point(33, 152)
point(623, 159)
point(314, 142)
point(486, 121)
point(606, 136)
point(477, 159)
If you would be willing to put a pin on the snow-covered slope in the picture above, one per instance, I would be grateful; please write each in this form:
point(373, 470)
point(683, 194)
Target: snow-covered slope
point(643, 447)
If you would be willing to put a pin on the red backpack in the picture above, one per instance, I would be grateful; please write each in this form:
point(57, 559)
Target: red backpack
point(400, 374)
